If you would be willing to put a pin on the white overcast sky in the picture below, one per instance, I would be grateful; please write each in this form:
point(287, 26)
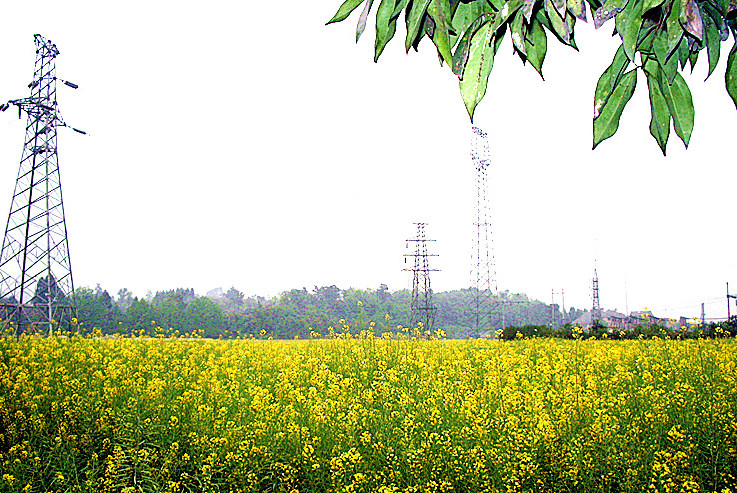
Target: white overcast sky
point(247, 144)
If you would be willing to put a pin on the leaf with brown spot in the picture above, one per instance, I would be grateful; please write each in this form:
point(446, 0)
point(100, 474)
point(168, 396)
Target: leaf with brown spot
point(480, 63)
point(691, 19)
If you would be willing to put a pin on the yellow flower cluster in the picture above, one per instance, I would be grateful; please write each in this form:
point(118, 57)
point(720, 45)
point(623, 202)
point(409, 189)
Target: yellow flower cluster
point(367, 415)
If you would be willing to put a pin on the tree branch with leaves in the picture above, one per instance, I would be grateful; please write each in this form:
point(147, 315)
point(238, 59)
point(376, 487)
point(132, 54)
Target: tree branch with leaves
point(659, 37)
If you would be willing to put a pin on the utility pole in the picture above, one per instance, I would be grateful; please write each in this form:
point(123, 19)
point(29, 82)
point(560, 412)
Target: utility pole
point(703, 315)
point(422, 308)
point(729, 316)
point(36, 286)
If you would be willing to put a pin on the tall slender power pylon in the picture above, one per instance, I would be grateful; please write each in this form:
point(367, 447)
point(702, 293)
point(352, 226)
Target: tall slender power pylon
point(422, 308)
point(596, 307)
point(36, 286)
point(483, 274)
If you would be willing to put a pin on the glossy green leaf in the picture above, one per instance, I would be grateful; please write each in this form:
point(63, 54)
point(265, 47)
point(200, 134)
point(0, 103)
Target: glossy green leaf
point(713, 44)
point(536, 45)
point(556, 22)
point(386, 26)
point(560, 7)
point(660, 114)
point(693, 57)
point(673, 27)
point(577, 8)
point(414, 21)
point(731, 74)
point(660, 46)
point(460, 57)
point(345, 10)
point(401, 5)
point(651, 4)
point(609, 80)
point(670, 69)
point(439, 10)
point(499, 37)
point(628, 24)
point(465, 17)
point(609, 9)
point(478, 68)
point(518, 33)
point(683, 52)
point(680, 104)
point(363, 19)
point(607, 122)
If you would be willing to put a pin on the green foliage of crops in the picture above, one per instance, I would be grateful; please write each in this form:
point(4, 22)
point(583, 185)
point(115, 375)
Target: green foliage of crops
point(370, 414)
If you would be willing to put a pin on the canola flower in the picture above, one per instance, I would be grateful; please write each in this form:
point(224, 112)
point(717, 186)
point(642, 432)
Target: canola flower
point(367, 414)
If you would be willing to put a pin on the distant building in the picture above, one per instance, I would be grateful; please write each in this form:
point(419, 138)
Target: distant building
point(616, 321)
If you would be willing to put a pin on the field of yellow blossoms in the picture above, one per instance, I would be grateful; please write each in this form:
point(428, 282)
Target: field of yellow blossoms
point(367, 415)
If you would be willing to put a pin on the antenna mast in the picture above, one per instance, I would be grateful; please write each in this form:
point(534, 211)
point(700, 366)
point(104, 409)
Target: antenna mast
point(36, 286)
point(483, 274)
point(422, 307)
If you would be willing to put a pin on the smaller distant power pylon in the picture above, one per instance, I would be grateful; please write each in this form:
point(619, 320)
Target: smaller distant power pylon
point(422, 307)
point(596, 308)
point(483, 273)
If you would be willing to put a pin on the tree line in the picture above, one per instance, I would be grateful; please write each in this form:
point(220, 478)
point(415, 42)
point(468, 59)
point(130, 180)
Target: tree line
point(296, 313)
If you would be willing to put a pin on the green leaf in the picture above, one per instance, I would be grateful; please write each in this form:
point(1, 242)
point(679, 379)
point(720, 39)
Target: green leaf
point(386, 26)
point(556, 22)
point(465, 18)
point(609, 80)
point(673, 27)
point(607, 122)
point(660, 115)
point(731, 75)
point(517, 31)
point(363, 19)
point(628, 24)
point(414, 21)
point(478, 68)
point(577, 8)
point(713, 44)
point(609, 9)
point(401, 4)
point(683, 52)
point(560, 7)
point(660, 46)
point(678, 97)
point(345, 10)
point(439, 10)
point(537, 47)
point(651, 4)
point(460, 57)
point(670, 69)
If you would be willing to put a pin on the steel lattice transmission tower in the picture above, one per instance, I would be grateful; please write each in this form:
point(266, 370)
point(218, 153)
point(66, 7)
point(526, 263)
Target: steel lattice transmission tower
point(422, 308)
point(596, 308)
point(36, 286)
point(483, 273)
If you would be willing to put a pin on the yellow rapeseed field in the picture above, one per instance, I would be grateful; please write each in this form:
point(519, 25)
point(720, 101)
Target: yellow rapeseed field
point(367, 415)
